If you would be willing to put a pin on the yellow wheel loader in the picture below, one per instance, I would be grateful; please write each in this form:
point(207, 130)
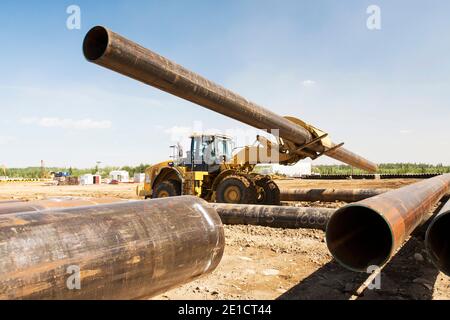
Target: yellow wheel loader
point(211, 172)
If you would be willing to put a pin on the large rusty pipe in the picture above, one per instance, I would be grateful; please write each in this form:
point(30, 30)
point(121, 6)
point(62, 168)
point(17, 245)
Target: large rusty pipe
point(112, 251)
point(274, 216)
point(10, 201)
point(368, 232)
point(437, 239)
point(328, 195)
point(53, 203)
point(112, 51)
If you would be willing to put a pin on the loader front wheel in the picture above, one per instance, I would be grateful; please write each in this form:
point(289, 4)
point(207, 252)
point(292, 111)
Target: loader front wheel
point(165, 189)
point(267, 192)
point(236, 189)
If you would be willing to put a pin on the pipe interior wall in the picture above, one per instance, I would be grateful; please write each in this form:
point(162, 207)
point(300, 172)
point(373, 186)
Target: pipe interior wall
point(437, 239)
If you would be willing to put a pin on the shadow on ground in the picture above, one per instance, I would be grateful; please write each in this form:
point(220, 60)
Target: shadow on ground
point(408, 275)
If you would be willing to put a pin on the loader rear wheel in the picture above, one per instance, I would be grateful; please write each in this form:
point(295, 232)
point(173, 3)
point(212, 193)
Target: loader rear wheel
point(236, 189)
point(166, 189)
point(268, 192)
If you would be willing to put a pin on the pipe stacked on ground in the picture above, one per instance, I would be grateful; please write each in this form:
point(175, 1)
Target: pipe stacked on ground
point(437, 239)
point(274, 216)
point(52, 203)
point(328, 195)
point(111, 251)
point(369, 232)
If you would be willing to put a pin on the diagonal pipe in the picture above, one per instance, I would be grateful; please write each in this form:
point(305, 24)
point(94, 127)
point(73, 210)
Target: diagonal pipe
point(110, 50)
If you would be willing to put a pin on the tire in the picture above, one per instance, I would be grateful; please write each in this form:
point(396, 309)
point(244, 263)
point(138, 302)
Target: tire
point(166, 189)
point(268, 192)
point(236, 189)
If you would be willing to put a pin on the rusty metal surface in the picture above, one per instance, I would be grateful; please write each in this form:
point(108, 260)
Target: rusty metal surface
point(112, 51)
point(10, 201)
point(328, 195)
point(437, 239)
point(123, 250)
point(368, 232)
point(274, 216)
point(53, 203)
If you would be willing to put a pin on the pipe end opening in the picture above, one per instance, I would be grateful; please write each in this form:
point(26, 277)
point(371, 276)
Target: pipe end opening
point(95, 43)
point(359, 237)
point(438, 242)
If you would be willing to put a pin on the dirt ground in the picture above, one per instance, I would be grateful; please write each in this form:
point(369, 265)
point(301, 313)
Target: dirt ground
point(268, 263)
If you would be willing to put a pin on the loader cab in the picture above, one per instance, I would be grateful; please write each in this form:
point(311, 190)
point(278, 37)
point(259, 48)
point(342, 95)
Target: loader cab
point(208, 152)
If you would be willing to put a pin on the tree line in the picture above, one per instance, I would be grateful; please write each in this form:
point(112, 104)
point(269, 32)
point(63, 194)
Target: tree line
point(384, 168)
point(36, 172)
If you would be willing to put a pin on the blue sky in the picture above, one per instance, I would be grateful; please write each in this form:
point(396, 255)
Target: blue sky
point(385, 93)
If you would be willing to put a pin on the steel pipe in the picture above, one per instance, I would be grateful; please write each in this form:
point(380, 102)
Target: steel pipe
point(329, 195)
point(274, 216)
point(368, 232)
point(112, 51)
point(52, 203)
point(113, 251)
point(2, 202)
point(437, 240)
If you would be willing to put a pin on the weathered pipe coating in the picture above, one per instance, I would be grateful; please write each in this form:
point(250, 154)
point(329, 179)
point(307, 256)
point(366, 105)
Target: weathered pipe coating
point(123, 251)
point(112, 51)
point(368, 232)
point(437, 239)
point(52, 203)
point(10, 201)
point(329, 195)
point(274, 216)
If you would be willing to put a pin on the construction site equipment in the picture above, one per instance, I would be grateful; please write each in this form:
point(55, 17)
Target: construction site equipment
point(223, 177)
point(368, 232)
point(328, 195)
point(52, 203)
point(437, 239)
point(274, 216)
point(112, 251)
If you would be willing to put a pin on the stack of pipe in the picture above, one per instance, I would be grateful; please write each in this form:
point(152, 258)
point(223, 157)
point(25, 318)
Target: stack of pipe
point(274, 216)
point(328, 195)
point(368, 232)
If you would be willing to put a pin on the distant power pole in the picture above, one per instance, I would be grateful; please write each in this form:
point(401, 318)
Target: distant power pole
point(42, 169)
point(97, 167)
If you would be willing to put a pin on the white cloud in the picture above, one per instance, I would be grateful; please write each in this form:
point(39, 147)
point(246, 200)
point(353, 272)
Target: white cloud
point(405, 131)
point(68, 123)
point(308, 83)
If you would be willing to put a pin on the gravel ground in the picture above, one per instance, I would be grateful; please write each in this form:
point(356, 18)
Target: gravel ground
point(268, 263)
